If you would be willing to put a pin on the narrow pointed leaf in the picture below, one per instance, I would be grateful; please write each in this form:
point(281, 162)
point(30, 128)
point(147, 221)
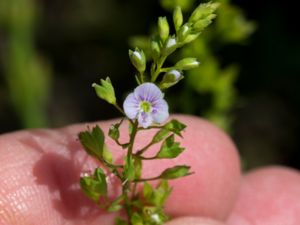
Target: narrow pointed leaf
point(175, 172)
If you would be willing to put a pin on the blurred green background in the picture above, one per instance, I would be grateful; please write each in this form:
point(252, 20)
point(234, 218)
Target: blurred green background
point(248, 81)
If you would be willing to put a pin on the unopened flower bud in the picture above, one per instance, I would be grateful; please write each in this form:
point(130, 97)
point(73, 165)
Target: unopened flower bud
point(163, 28)
point(187, 63)
point(171, 45)
point(155, 49)
point(138, 59)
point(203, 23)
point(183, 32)
point(203, 10)
point(170, 78)
point(177, 18)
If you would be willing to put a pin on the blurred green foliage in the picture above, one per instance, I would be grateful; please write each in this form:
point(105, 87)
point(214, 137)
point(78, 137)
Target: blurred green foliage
point(211, 82)
point(27, 75)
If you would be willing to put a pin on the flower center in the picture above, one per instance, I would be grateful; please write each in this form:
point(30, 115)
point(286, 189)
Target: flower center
point(145, 106)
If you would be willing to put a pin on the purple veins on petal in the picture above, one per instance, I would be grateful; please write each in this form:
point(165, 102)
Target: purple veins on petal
point(146, 104)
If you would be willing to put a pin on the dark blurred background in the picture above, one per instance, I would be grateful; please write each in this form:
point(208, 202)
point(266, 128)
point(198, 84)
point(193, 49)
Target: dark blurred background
point(52, 51)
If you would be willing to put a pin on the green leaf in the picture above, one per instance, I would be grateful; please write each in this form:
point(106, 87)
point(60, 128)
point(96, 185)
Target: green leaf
point(94, 186)
point(175, 126)
point(138, 167)
point(116, 204)
point(175, 172)
point(93, 141)
point(169, 149)
point(136, 219)
point(105, 91)
point(161, 193)
point(147, 191)
point(160, 135)
point(107, 155)
point(129, 170)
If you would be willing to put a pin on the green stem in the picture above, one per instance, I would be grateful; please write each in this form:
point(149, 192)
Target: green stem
point(119, 109)
point(158, 68)
point(127, 184)
point(140, 152)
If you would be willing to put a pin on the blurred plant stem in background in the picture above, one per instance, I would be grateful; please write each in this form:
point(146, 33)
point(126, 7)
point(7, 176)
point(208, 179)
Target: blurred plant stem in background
point(27, 75)
point(209, 89)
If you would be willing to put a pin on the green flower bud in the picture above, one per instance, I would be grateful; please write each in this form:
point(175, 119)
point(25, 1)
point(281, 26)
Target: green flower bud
point(155, 49)
point(187, 63)
point(170, 78)
point(105, 91)
point(191, 37)
point(171, 46)
point(183, 32)
point(177, 18)
point(138, 59)
point(203, 23)
point(203, 10)
point(163, 28)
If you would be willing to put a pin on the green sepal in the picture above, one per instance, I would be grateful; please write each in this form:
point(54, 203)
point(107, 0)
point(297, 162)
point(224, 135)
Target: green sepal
point(93, 141)
point(136, 219)
point(175, 172)
point(163, 28)
point(116, 204)
point(169, 149)
point(94, 186)
point(105, 91)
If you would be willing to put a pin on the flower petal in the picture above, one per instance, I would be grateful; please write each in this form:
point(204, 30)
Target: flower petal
point(160, 112)
point(148, 92)
point(145, 119)
point(131, 106)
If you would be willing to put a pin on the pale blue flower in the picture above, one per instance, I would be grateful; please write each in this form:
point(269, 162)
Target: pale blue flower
point(146, 104)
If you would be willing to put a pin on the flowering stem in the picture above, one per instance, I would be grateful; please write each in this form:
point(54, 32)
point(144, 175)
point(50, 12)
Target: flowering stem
point(158, 68)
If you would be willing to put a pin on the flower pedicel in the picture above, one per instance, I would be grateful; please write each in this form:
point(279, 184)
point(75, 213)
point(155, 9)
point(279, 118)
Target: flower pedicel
point(145, 109)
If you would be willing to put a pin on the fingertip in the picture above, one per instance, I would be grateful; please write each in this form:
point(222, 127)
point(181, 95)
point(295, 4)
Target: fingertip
point(193, 221)
point(268, 196)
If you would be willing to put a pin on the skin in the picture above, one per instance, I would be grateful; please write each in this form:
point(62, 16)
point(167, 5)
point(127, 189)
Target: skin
point(40, 169)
